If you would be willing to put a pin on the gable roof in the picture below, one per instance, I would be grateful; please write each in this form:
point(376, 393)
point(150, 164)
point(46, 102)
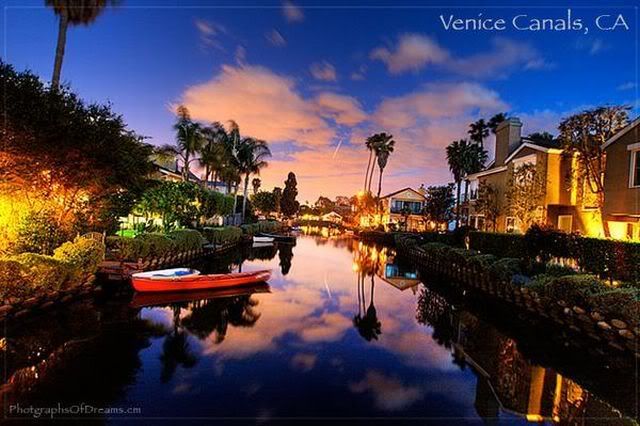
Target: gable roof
point(532, 146)
point(402, 190)
point(621, 133)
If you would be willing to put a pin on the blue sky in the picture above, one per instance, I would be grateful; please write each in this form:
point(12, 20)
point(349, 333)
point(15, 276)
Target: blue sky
point(315, 81)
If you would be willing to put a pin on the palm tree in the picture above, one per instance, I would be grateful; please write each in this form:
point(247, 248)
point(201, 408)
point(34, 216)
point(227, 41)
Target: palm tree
point(370, 144)
point(495, 121)
point(189, 141)
point(252, 155)
point(383, 148)
point(212, 153)
point(72, 12)
point(464, 159)
point(478, 131)
point(256, 183)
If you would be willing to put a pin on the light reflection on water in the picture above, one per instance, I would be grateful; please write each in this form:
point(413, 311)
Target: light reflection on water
point(343, 330)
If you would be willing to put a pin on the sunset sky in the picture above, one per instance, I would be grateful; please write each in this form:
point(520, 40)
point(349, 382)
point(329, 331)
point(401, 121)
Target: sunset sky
point(315, 81)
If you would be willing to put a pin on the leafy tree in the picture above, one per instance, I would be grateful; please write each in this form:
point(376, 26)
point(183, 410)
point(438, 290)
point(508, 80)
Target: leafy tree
point(495, 121)
point(440, 202)
point(213, 153)
point(264, 202)
point(525, 193)
point(288, 204)
point(544, 138)
point(324, 205)
point(488, 203)
point(277, 198)
point(72, 12)
point(256, 183)
point(585, 134)
point(189, 141)
point(56, 152)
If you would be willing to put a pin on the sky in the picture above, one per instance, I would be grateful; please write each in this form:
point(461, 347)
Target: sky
point(315, 80)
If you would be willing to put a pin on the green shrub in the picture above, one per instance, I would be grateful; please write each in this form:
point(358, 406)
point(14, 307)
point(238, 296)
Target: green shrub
point(156, 245)
point(46, 272)
point(573, 289)
point(38, 232)
point(266, 226)
point(483, 261)
point(14, 279)
point(223, 235)
point(620, 303)
point(559, 270)
point(186, 239)
point(437, 248)
point(84, 254)
point(504, 269)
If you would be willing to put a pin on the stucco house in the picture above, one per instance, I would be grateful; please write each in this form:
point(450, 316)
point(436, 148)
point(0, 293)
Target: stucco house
point(564, 204)
point(622, 183)
point(409, 200)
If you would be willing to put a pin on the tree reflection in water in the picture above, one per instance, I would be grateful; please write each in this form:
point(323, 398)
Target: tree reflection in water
point(366, 320)
point(285, 254)
point(175, 348)
point(211, 316)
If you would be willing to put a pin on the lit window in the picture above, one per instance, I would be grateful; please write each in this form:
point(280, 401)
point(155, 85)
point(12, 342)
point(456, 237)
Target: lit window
point(635, 168)
point(510, 224)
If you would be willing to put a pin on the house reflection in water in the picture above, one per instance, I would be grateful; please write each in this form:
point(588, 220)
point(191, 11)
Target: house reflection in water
point(507, 381)
point(382, 261)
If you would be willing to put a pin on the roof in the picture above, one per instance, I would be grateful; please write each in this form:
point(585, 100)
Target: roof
point(534, 146)
point(527, 143)
point(487, 172)
point(175, 171)
point(622, 132)
point(402, 190)
point(554, 143)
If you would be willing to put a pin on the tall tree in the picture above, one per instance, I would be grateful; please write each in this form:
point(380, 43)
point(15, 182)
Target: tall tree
point(439, 205)
point(544, 138)
point(478, 131)
point(252, 155)
point(525, 193)
point(585, 134)
point(189, 141)
point(277, 198)
point(488, 203)
point(464, 158)
point(288, 204)
point(370, 144)
point(383, 149)
point(212, 151)
point(256, 183)
point(72, 12)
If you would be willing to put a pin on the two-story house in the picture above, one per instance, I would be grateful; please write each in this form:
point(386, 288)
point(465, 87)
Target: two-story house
point(622, 183)
point(407, 203)
point(562, 204)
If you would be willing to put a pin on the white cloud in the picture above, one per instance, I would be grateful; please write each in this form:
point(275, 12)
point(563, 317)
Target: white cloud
point(291, 12)
point(341, 108)
point(629, 85)
point(389, 393)
point(209, 33)
point(413, 52)
point(323, 71)
point(359, 74)
point(275, 38)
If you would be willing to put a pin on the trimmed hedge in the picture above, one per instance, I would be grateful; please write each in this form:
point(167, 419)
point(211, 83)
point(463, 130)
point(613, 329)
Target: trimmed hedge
point(267, 226)
point(222, 235)
point(154, 245)
point(608, 259)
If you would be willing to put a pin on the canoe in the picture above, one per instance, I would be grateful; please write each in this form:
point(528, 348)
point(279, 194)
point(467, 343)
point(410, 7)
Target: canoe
point(262, 239)
point(279, 237)
point(141, 300)
point(155, 281)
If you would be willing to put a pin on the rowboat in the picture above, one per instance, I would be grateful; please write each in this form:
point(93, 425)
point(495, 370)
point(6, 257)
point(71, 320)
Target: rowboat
point(280, 237)
point(262, 239)
point(141, 300)
point(182, 279)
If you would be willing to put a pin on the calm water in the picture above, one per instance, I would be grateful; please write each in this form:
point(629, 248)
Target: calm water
point(343, 331)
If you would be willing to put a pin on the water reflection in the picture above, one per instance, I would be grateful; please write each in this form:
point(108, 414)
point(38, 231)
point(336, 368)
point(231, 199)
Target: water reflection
point(335, 334)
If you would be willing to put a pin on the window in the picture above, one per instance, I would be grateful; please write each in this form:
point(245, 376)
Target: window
point(473, 190)
point(565, 223)
point(634, 180)
point(511, 225)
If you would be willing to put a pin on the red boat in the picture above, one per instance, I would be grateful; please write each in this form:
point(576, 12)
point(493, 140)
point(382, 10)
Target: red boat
point(183, 279)
point(142, 300)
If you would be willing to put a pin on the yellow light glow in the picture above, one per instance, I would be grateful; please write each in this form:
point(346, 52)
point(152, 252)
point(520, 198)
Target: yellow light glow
point(618, 230)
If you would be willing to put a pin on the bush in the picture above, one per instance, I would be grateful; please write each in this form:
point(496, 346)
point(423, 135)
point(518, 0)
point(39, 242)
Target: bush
point(38, 232)
point(501, 245)
point(124, 248)
point(223, 235)
point(266, 226)
point(46, 272)
point(84, 254)
point(620, 303)
point(483, 261)
point(573, 289)
point(437, 248)
point(559, 270)
point(186, 239)
point(505, 269)
point(14, 279)
point(155, 245)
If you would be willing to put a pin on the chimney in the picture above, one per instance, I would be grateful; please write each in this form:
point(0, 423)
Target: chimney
point(508, 137)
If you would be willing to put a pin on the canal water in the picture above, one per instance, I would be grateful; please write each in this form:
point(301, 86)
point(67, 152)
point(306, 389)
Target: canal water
point(344, 331)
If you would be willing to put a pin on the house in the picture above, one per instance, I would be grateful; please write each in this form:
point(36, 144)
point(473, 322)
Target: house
point(565, 203)
point(622, 183)
point(332, 217)
point(173, 172)
point(408, 203)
